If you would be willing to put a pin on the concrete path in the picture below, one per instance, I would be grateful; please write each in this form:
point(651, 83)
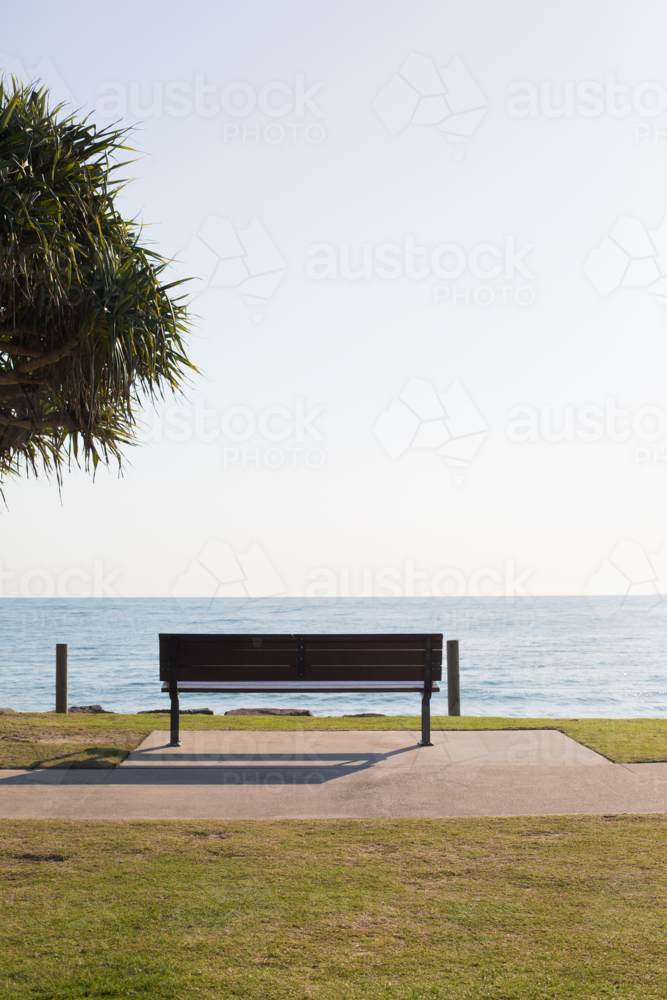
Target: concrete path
point(252, 775)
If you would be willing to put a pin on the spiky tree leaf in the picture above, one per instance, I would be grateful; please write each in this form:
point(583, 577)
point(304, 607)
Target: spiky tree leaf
point(88, 327)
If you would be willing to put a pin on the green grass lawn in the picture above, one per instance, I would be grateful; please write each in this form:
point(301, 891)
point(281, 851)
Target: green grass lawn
point(557, 907)
point(48, 740)
point(542, 908)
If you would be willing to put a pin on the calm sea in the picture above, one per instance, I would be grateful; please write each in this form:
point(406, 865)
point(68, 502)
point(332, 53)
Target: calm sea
point(553, 657)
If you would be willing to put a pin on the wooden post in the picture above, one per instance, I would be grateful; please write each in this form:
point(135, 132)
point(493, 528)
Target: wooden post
point(61, 677)
point(453, 688)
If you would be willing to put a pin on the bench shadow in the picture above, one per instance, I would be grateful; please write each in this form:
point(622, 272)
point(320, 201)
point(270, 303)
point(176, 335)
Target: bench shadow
point(95, 758)
point(227, 769)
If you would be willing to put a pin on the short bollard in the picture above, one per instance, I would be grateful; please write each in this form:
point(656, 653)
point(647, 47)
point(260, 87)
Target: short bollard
point(61, 677)
point(453, 689)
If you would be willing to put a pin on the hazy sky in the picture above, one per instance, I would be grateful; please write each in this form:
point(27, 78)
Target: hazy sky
point(431, 306)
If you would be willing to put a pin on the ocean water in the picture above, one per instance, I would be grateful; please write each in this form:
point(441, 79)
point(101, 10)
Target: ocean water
point(550, 657)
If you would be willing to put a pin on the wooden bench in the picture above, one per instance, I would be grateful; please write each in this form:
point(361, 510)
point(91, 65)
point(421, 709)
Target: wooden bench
point(312, 664)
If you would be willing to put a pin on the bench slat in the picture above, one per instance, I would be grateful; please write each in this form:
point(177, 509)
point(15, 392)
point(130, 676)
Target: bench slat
point(211, 656)
point(276, 643)
point(280, 673)
point(359, 639)
point(290, 687)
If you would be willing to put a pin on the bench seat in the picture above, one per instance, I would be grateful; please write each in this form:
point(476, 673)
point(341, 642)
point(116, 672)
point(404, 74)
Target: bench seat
point(290, 687)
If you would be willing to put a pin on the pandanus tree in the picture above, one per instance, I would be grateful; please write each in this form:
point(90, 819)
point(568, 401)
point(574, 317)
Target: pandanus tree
point(88, 326)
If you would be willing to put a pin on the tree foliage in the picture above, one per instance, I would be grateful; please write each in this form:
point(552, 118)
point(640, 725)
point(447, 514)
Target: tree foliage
point(87, 326)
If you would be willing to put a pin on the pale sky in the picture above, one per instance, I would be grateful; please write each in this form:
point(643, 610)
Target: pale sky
point(432, 306)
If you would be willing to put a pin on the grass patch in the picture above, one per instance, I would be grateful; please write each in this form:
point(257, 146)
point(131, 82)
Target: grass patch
point(46, 740)
point(535, 908)
point(43, 739)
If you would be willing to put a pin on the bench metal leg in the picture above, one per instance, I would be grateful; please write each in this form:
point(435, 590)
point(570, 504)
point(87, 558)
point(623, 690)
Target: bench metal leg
point(426, 720)
point(175, 740)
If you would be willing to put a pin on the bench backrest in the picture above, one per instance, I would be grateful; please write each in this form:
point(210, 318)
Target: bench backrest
point(364, 657)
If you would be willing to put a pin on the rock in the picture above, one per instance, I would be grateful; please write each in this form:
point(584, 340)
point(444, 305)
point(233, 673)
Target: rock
point(366, 715)
point(268, 711)
point(8, 711)
point(90, 709)
point(182, 711)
